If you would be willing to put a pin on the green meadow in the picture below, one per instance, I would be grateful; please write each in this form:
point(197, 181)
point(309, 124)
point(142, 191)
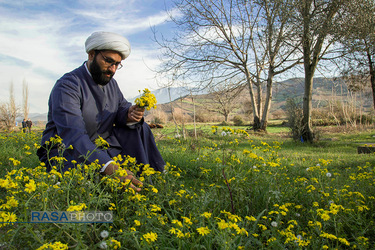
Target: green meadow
point(226, 188)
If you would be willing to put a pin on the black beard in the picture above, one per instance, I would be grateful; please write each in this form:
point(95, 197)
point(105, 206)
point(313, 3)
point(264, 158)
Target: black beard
point(98, 75)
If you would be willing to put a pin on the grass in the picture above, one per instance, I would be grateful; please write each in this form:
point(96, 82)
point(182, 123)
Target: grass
point(229, 191)
point(341, 148)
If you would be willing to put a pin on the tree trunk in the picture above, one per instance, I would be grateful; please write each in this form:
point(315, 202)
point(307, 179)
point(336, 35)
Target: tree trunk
point(172, 112)
point(194, 118)
point(372, 75)
point(256, 125)
point(267, 104)
point(307, 132)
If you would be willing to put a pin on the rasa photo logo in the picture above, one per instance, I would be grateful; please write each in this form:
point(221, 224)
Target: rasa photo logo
point(71, 217)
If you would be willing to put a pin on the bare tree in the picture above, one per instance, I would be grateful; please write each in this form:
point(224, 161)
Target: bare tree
point(316, 18)
point(280, 44)
point(222, 99)
point(358, 40)
point(25, 95)
point(8, 111)
point(220, 40)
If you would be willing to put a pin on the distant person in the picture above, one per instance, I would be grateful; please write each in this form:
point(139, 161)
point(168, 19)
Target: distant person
point(29, 123)
point(24, 126)
point(87, 103)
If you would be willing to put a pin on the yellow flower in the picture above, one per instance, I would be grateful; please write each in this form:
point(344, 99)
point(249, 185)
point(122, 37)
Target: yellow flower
point(242, 231)
point(55, 246)
point(77, 207)
point(325, 216)
point(344, 241)
point(222, 224)
point(4, 183)
point(14, 161)
point(147, 100)
point(100, 142)
point(8, 217)
point(187, 220)
point(252, 218)
point(328, 236)
point(206, 215)
point(263, 227)
point(155, 208)
point(177, 222)
point(30, 187)
point(203, 231)
point(114, 244)
point(137, 223)
point(150, 237)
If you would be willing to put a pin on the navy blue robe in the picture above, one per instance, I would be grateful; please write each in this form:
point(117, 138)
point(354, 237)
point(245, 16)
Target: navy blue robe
point(81, 110)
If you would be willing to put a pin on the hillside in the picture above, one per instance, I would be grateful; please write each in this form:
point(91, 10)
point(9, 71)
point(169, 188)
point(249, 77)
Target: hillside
point(325, 91)
point(164, 95)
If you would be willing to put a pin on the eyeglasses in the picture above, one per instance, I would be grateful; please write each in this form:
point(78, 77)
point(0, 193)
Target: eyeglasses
point(110, 62)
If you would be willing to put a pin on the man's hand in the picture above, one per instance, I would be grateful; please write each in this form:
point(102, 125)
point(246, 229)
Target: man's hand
point(135, 113)
point(135, 183)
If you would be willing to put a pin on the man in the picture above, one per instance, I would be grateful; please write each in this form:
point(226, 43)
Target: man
point(87, 103)
point(29, 123)
point(24, 125)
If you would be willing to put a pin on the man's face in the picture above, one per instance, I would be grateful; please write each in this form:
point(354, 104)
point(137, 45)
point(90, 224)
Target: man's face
point(103, 66)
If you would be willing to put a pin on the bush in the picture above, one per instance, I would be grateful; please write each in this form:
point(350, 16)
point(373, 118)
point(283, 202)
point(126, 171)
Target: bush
point(278, 114)
point(238, 121)
point(180, 116)
point(224, 123)
point(158, 117)
point(294, 117)
point(202, 116)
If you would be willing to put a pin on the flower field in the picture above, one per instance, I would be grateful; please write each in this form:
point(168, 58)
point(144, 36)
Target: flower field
point(226, 190)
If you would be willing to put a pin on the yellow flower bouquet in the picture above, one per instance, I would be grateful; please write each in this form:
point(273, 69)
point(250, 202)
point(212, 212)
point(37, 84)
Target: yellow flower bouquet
point(147, 100)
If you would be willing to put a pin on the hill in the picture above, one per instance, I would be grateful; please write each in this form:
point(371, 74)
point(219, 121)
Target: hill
point(165, 95)
point(326, 92)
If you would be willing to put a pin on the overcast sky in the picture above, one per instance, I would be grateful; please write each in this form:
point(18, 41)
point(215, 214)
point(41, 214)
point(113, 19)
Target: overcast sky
point(41, 40)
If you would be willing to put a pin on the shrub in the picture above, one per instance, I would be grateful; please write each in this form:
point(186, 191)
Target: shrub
point(278, 114)
point(238, 120)
point(202, 116)
point(158, 117)
point(224, 123)
point(294, 117)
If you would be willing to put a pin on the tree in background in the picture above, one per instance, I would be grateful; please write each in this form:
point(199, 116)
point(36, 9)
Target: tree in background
point(316, 19)
point(216, 41)
point(222, 99)
point(280, 46)
point(25, 95)
point(8, 111)
point(357, 36)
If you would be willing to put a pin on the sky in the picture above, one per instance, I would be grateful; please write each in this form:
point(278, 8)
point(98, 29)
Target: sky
point(42, 40)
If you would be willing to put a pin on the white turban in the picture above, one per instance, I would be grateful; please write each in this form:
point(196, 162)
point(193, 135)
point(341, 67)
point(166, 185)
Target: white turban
point(108, 41)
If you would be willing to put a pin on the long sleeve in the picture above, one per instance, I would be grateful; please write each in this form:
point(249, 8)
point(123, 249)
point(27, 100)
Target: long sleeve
point(65, 105)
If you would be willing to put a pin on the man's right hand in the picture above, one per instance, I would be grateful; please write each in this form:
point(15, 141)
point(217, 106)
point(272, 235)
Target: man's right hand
point(135, 183)
point(135, 113)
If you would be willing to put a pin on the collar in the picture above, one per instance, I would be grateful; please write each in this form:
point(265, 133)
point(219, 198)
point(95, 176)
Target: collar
point(87, 69)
